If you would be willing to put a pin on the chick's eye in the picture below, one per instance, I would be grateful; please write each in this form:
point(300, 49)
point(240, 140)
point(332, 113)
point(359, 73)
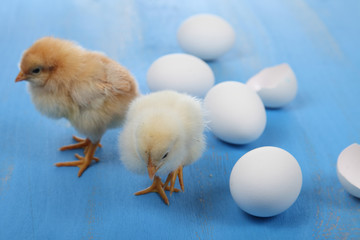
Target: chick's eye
point(35, 70)
point(166, 154)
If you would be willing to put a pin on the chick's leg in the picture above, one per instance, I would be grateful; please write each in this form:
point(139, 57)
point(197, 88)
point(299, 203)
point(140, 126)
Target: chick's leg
point(82, 143)
point(84, 162)
point(172, 178)
point(157, 186)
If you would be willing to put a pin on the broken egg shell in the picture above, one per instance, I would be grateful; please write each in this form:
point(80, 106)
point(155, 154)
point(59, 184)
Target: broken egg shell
point(348, 169)
point(276, 86)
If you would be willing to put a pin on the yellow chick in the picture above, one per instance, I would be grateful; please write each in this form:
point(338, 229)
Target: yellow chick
point(163, 132)
point(89, 89)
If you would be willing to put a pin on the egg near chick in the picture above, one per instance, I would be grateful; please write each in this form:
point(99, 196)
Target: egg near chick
point(265, 181)
point(236, 113)
point(182, 73)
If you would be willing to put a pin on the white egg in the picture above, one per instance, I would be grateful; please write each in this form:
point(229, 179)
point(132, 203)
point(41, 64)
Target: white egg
point(348, 169)
point(206, 36)
point(180, 72)
point(265, 181)
point(236, 113)
point(276, 86)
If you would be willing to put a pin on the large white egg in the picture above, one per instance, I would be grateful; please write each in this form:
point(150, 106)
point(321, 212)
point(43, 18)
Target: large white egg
point(206, 36)
point(180, 72)
point(265, 181)
point(348, 169)
point(236, 113)
point(276, 86)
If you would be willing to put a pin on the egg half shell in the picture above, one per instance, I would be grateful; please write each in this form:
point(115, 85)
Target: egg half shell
point(236, 113)
point(276, 86)
point(206, 36)
point(348, 169)
point(266, 181)
point(180, 72)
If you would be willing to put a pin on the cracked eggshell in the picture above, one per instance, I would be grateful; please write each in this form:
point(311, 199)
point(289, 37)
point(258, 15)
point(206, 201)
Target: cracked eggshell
point(348, 169)
point(236, 113)
point(276, 86)
point(206, 36)
point(265, 181)
point(180, 72)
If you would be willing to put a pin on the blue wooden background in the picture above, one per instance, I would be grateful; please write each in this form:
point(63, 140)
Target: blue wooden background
point(319, 39)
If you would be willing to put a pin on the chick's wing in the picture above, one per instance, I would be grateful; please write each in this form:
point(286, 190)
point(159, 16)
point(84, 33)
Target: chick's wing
point(105, 79)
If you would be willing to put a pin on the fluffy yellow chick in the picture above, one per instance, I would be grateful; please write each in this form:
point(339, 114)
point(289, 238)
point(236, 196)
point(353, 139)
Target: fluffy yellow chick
point(163, 132)
point(92, 91)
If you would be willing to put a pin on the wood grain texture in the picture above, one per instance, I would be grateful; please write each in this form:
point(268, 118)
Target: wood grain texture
point(319, 39)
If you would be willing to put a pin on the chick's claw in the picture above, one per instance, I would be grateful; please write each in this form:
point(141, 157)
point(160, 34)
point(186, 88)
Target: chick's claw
point(81, 158)
point(84, 162)
point(82, 143)
point(78, 139)
point(156, 186)
point(167, 188)
point(172, 178)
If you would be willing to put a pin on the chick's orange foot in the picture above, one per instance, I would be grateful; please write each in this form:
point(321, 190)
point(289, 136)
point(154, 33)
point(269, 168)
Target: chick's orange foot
point(82, 143)
point(172, 178)
point(157, 186)
point(84, 162)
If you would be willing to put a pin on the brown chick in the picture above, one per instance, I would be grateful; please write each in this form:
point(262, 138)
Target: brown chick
point(87, 88)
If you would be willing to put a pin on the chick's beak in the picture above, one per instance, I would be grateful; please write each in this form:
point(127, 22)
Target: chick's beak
point(20, 77)
point(151, 168)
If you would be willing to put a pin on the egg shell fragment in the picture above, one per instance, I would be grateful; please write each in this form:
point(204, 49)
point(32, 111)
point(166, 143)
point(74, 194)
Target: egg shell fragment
point(348, 169)
point(236, 113)
point(265, 181)
point(276, 86)
point(206, 36)
point(180, 72)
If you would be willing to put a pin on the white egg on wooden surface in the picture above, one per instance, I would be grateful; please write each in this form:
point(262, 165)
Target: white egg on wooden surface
point(276, 86)
point(265, 181)
point(348, 169)
point(206, 36)
point(180, 72)
point(236, 113)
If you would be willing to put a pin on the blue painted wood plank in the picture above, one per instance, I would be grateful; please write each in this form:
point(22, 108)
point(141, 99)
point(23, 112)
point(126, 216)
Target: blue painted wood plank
point(319, 39)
